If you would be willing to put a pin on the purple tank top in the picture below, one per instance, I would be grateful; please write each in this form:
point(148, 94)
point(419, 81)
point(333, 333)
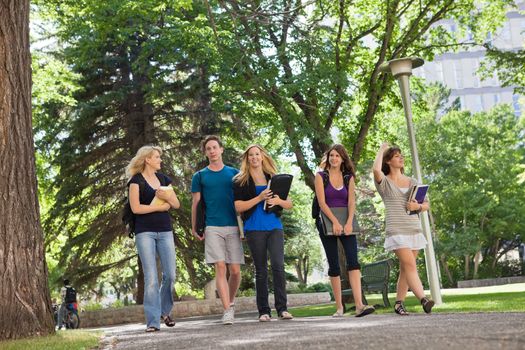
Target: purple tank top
point(335, 198)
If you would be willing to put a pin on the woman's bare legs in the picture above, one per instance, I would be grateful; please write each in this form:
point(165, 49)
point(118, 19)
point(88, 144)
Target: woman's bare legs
point(336, 289)
point(408, 276)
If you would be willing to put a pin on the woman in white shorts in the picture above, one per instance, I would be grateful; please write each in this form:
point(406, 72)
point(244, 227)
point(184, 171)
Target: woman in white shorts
point(404, 235)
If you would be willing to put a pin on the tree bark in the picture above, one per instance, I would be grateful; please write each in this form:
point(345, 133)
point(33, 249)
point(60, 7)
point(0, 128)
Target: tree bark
point(477, 260)
point(467, 266)
point(24, 293)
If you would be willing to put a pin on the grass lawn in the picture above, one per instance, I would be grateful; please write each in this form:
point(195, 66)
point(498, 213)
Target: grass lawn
point(62, 340)
point(487, 302)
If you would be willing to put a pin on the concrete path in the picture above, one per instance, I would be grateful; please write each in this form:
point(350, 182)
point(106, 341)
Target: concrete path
point(418, 331)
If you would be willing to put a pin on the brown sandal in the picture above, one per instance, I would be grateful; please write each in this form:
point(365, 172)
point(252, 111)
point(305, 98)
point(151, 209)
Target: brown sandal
point(400, 309)
point(168, 321)
point(427, 304)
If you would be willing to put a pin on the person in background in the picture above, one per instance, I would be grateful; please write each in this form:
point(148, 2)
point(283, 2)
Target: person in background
point(404, 235)
point(153, 233)
point(263, 230)
point(68, 295)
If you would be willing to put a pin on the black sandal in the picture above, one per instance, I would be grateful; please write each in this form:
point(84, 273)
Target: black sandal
point(400, 309)
point(427, 304)
point(168, 321)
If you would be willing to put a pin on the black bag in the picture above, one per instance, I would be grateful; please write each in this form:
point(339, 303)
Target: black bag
point(128, 218)
point(316, 209)
point(71, 295)
point(200, 215)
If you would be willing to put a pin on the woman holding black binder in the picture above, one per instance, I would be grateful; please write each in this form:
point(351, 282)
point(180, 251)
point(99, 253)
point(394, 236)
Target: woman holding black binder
point(404, 234)
point(334, 190)
point(263, 230)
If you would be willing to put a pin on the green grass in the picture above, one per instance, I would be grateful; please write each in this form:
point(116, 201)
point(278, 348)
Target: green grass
point(488, 302)
point(63, 340)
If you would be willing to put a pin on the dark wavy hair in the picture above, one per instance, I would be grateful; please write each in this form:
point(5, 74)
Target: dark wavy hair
point(208, 139)
point(347, 166)
point(387, 156)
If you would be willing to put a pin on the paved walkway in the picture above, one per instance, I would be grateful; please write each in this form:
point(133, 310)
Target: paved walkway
point(418, 331)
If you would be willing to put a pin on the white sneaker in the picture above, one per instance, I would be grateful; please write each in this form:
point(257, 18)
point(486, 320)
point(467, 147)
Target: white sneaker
point(228, 316)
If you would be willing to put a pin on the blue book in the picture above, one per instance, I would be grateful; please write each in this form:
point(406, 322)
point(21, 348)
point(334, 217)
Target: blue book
point(418, 192)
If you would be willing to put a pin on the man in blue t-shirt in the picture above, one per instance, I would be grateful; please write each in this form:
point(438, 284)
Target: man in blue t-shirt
point(222, 243)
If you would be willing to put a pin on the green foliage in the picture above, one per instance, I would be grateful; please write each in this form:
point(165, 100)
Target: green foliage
point(294, 76)
point(479, 302)
point(66, 340)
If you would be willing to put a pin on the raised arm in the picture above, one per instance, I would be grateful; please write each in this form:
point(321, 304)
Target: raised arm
point(378, 162)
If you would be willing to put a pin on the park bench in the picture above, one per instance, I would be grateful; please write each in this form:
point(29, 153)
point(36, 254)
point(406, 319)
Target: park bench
point(374, 278)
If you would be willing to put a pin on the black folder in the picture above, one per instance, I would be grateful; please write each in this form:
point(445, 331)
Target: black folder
point(280, 185)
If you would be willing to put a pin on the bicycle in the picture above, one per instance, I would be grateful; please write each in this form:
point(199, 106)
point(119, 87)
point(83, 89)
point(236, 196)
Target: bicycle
point(71, 319)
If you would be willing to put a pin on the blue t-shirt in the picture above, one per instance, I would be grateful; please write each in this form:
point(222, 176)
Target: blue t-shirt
point(261, 220)
point(156, 221)
point(217, 189)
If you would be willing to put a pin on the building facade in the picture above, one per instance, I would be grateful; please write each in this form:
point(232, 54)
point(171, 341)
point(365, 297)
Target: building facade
point(458, 70)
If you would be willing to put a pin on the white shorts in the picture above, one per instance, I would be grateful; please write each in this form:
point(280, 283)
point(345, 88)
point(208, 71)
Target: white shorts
point(412, 242)
point(223, 243)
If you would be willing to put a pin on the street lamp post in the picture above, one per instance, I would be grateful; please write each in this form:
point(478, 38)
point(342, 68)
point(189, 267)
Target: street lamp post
point(401, 69)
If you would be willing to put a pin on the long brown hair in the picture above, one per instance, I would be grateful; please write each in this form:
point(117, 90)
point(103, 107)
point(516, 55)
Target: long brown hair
point(347, 166)
point(268, 165)
point(387, 156)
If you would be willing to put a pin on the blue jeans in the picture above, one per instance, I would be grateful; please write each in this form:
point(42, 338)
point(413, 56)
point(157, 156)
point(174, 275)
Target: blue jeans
point(261, 243)
point(157, 301)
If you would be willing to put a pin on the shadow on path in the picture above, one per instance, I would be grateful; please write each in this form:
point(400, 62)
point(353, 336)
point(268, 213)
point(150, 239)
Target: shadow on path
point(418, 331)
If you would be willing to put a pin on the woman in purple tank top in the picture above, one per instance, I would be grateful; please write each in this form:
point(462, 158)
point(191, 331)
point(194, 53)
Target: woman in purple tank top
point(332, 191)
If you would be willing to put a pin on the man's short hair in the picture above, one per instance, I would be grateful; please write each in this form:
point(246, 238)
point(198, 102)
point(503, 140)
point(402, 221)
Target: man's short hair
point(66, 282)
point(208, 139)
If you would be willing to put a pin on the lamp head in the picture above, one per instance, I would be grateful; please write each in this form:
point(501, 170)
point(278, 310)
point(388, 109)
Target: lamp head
point(401, 66)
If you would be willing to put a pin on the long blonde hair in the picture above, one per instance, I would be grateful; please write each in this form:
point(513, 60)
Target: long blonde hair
point(268, 165)
point(138, 163)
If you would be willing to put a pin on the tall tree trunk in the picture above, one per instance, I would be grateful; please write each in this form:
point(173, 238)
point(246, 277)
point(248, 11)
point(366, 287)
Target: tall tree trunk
point(467, 266)
point(443, 260)
point(24, 293)
point(299, 270)
point(306, 269)
point(477, 259)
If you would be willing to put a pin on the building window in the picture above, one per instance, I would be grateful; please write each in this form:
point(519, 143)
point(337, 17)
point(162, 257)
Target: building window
point(516, 104)
point(505, 33)
point(439, 72)
point(475, 78)
point(462, 104)
point(497, 99)
point(488, 39)
point(478, 103)
point(458, 75)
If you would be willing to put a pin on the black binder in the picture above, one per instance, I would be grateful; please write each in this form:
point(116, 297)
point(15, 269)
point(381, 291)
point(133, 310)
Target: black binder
point(280, 185)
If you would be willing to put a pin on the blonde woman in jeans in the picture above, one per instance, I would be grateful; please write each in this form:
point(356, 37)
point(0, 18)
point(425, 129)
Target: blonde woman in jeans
point(153, 233)
point(404, 235)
